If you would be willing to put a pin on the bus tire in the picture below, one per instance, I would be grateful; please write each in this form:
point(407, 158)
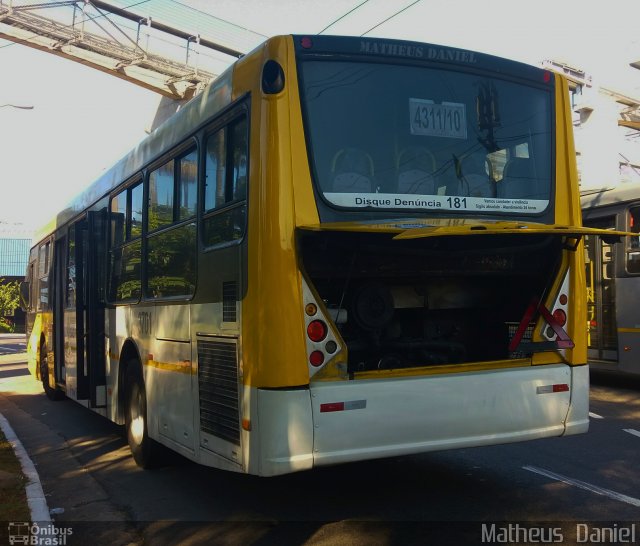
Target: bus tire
point(52, 392)
point(144, 449)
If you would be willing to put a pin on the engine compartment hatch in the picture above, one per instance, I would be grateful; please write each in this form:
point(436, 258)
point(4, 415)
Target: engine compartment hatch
point(444, 227)
point(411, 294)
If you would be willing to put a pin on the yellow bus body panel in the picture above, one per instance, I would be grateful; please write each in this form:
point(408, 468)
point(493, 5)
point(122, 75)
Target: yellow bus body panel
point(273, 344)
point(568, 211)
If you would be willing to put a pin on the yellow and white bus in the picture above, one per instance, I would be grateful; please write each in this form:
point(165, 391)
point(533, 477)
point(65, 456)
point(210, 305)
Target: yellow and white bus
point(343, 249)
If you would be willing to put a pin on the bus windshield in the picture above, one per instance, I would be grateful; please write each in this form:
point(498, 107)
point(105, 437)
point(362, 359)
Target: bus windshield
point(402, 138)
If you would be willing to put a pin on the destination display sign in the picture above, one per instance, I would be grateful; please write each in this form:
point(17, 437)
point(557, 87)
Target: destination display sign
point(404, 201)
point(447, 120)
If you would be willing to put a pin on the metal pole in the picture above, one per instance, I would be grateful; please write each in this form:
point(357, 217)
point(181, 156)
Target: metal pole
point(148, 34)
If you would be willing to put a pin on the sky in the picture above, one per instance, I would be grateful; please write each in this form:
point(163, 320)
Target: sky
point(83, 120)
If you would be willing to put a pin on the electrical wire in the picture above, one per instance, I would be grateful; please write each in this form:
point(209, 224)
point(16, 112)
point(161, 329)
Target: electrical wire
point(195, 10)
point(391, 17)
point(343, 16)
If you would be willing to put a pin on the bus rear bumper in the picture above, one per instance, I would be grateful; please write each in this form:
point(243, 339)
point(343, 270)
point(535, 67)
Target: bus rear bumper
point(359, 420)
point(347, 421)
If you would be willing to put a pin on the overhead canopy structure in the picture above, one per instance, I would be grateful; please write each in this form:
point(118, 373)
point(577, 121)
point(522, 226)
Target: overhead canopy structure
point(630, 116)
point(630, 124)
point(169, 60)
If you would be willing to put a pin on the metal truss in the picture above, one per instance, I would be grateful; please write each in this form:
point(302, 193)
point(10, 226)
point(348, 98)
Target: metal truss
point(101, 36)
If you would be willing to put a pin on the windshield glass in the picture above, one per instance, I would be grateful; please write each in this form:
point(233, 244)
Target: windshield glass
point(409, 138)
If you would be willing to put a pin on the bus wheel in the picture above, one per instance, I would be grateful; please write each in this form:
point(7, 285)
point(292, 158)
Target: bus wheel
point(52, 392)
point(143, 448)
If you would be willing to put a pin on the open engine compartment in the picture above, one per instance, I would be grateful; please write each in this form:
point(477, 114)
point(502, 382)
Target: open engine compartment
point(430, 301)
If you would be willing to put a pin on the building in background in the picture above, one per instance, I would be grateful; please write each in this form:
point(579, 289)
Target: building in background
point(606, 129)
point(15, 242)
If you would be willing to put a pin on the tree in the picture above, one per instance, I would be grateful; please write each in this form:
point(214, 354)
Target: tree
point(9, 297)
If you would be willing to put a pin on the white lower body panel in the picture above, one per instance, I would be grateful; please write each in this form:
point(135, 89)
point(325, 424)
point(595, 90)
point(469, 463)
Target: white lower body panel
point(366, 419)
point(345, 421)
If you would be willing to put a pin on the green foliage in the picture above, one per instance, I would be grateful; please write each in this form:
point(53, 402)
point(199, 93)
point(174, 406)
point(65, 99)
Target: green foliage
point(172, 262)
point(9, 297)
point(6, 327)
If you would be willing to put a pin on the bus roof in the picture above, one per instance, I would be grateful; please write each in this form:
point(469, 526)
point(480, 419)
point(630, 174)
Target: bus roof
point(601, 197)
point(407, 50)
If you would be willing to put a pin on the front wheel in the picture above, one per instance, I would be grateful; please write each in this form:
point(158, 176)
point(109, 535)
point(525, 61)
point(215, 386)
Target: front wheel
point(143, 448)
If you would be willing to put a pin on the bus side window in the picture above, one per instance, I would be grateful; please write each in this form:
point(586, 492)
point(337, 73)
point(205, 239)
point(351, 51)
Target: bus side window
point(70, 298)
point(633, 243)
point(170, 255)
point(33, 278)
point(43, 277)
point(27, 289)
point(125, 244)
point(161, 195)
point(225, 191)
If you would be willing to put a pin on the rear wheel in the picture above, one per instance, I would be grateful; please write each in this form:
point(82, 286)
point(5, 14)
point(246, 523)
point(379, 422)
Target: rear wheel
point(144, 449)
point(52, 392)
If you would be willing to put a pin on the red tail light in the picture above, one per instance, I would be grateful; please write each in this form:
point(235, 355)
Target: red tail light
point(316, 358)
point(317, 330)
point(560, 316)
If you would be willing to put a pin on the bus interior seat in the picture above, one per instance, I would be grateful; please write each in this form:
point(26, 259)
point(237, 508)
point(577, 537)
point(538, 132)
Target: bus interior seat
point(416, 166)
point(475, 174)
point(352, 171)
point(518, 179)
point(447, 182)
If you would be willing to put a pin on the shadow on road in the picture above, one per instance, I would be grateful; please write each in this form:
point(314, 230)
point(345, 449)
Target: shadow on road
point(5, 373)
point(617, 380)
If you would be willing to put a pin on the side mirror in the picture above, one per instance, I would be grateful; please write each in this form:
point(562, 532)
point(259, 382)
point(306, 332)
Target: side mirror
point(25, 288)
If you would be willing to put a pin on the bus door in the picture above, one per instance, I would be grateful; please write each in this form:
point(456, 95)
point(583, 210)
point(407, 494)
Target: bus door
point(89, 241)
point(58, 291)
point(601, 294)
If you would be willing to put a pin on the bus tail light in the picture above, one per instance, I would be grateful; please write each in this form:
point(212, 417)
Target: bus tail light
point(316, 358)
point(317, 330)
point(560, 316)
point(321, 340)
point(554, 318)
point(559, 310)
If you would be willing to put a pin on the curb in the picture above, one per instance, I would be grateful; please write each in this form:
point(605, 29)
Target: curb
point(35, 495)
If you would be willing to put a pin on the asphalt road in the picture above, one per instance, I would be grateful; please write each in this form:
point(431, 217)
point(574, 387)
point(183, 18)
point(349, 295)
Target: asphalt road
point(569, 486)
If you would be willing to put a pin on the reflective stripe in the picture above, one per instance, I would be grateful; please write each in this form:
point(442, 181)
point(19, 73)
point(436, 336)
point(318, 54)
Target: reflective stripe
point(343, 406)
point(180, 367)
point(558, 387)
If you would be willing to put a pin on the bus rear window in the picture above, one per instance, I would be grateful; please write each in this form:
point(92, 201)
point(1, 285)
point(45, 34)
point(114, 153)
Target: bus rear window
point(410, 138)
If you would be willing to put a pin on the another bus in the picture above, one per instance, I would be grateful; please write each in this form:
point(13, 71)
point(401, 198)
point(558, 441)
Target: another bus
point(613, 278)
point(343, 249)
